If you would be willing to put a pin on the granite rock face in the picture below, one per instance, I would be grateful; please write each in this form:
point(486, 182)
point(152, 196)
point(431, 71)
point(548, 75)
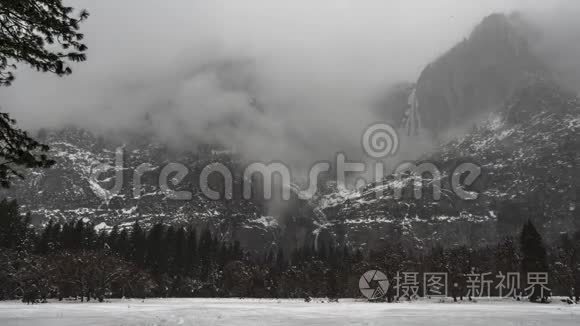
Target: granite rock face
point(478, 75)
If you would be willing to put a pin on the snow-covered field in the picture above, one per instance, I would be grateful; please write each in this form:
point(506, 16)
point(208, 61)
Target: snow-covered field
point(203, 312)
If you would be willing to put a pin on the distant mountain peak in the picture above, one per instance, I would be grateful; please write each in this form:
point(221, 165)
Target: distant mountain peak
point(478, 75)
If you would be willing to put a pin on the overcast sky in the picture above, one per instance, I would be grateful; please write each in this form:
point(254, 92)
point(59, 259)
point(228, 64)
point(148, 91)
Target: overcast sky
point(315, 64)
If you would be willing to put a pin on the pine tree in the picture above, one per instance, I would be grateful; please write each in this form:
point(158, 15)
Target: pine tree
point(101, 241)
point(55, 238)
point(79, 236)
point(89, 237)
point(168, 246)
point(576, 266)
point(12, 226)
point(206, 254)
point(533, 254)
point(533, 250)
point(123, 245)
point(192, 258)
point(565, 265)
point(113, 238)
point(67, 235)
point(137, 243)
point(156, 253)
point(507, 256)
point(44, 35)
point(42, 246)
point(180, 252)
point(40, 33)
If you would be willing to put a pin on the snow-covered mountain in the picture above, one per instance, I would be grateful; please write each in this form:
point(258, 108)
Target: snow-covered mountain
point(71, 189)
point(525, 138)
point(528, 153)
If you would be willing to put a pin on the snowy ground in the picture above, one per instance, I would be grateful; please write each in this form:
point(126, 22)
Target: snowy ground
point(253, 312)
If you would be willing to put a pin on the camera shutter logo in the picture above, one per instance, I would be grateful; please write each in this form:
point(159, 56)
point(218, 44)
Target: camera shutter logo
point(373, 284)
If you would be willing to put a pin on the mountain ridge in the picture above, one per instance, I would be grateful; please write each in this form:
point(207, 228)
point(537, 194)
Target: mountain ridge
point(525, 147)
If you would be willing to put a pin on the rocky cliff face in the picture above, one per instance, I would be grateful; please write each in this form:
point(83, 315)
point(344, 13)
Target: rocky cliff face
point(478, 75)
point(528, 154)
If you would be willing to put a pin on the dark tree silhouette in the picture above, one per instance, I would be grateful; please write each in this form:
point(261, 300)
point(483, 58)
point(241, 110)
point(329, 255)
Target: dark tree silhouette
point(18, 151)
point(40, 33)
point(137, 245)
point(534, 256)
point(44, 35)
point(12, 226)
point(533, 250)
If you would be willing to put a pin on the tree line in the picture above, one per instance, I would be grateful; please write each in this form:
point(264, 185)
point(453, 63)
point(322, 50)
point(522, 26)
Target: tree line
point(74, 260)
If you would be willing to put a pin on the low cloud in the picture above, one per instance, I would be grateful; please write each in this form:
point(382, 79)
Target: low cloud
point(276, 80)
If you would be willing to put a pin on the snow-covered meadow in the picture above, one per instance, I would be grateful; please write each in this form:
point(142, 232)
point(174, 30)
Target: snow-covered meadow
point(252, 312)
